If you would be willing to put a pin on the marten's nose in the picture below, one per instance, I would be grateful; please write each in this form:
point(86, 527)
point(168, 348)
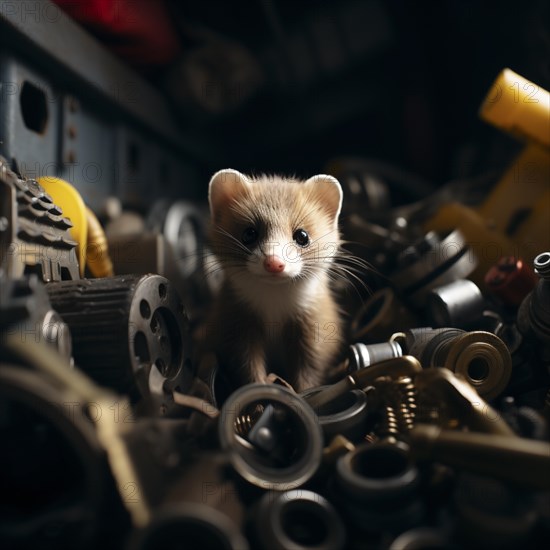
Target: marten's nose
point(274, 264)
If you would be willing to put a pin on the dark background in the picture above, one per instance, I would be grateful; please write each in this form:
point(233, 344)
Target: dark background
point(399, 81)
point(286, 86)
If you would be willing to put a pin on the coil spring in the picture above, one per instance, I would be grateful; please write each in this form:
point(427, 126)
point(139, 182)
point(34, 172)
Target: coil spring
point(398, 408)
point(245, 422)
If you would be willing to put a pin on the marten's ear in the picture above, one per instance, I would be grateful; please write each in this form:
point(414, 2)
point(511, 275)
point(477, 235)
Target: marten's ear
point(225, 186)
point(328, 192)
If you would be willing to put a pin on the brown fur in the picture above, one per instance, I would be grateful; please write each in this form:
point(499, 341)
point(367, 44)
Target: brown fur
point(293, 328)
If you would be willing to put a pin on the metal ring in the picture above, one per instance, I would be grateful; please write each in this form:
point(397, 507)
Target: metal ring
point(255, 468)
point(193, 524)
point(346, 415)
point(483, 360)
point(299, 519)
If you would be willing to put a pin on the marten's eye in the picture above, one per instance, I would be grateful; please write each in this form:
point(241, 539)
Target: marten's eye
point(301, 237)
point(250, 235)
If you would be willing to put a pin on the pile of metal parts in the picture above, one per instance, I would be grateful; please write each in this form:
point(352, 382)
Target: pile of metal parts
point(433, 433)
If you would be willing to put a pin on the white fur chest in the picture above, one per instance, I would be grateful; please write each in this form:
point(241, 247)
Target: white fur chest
point(275, 304)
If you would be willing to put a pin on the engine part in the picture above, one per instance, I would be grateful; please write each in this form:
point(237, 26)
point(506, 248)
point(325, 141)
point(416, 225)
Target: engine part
point(511, 279)
point(534, 312)
point(181, 223)
point(303, 437)
point(480, 357)
point(455, 396)
point(129, 333)
point(52, 474)
point(345, 416)
point(381, 316)
point(493, 514)
point(421, 538)
point(362, 355)
point(69, 199)
point(522, 461)
point(432, 262)
point(298, 519)
point(25, 311)
point(400, 366)
point(191, 526)
point(378, 487)
point(458, 304)
point(525, 421)
point(35, 236)
point(395, 406)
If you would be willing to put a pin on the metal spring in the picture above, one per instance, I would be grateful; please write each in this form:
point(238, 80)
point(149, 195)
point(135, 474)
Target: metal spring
point(245, 422)
point(407, 404)
point(398, 408)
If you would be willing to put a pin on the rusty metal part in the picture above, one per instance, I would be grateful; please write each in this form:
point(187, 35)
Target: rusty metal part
point(518, 460)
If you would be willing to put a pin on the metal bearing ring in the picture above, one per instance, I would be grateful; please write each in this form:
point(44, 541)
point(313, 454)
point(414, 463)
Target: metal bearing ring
point(298, 519)
point(305, 434)
point(346, 415)
point(483, 360)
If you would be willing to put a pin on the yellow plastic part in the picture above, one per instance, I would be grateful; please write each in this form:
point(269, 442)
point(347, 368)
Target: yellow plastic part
point(518, 106)
point(514, 219)
point(522, 190)
point(69, 199)
point(97, 253)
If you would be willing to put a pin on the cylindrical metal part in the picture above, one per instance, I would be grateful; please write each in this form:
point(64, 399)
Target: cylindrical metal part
point(303, 437)
point(542, 265)
point(346, 415)
point(382, 315)
point(534, 312)
point(422, 538)
point(433, 263)
point(129, 332)
point(481, 357)
point(378, 486)
point(299, 520)
point(190, 526)
point(457, 304)
point(522, 461)
point(511, 279)
point(399, 366)
point(363, 355)
point(493, 514)
point(52, 472)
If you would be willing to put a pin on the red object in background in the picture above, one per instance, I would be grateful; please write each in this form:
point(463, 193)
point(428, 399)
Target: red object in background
point(511, 279)
point(139, 31)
